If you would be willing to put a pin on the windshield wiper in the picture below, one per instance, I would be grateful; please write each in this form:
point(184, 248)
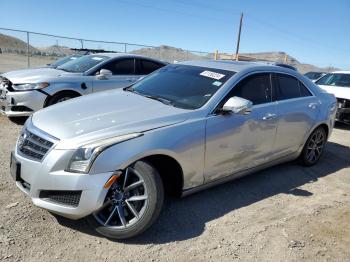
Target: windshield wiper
point(65, 70)
point(160, 99)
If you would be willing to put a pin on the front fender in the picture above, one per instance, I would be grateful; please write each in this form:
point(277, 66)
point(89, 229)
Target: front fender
point(183, 142)
point(83, 87)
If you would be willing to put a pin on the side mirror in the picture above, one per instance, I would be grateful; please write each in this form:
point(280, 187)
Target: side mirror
point(237, 105)
point(104, 74)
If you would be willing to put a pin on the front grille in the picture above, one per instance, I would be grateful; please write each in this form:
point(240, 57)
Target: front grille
point(343, 103)
point(68, 198)
point(32, 146)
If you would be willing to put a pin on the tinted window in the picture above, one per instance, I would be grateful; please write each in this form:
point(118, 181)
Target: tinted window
point(146, 67)
point(256, 88)
point(288, 87)
point(183, 86)
point(303, 90)
point(336, 79)
point(121, 67)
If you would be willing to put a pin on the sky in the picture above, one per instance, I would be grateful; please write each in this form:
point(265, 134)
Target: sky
point(313, 31)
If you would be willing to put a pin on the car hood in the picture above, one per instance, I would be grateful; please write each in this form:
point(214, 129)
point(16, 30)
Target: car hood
point(105, 114)
point(337, 91)
point(34, 75)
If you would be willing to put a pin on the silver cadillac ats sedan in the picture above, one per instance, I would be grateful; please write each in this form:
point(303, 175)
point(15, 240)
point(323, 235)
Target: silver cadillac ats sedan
point(112, 156)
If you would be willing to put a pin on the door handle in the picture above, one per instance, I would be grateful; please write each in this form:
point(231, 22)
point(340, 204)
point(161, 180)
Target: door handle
point(269, 116)
point(313, 105)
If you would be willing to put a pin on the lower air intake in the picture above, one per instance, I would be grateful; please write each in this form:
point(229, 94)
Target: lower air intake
point(68, 198)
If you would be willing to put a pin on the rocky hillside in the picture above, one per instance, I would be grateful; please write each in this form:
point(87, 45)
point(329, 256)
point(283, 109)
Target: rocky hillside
point(171, 54)
point(12, 44)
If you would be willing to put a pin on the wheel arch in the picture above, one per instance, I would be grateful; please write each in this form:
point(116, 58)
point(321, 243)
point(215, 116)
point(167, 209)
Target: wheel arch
point(68, 91)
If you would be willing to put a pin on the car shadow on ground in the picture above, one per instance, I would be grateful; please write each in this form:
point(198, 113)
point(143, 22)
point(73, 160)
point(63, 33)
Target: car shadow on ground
point(185, 218)
point(342, 126)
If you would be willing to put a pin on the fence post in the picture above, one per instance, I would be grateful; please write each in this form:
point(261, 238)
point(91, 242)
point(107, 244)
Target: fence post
point(82, 43)
point(125, 48)
point(28, 59)
point(216, 55)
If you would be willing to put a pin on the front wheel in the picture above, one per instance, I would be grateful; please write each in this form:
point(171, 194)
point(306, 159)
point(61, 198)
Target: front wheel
point(132, 203)
point(61, 97)
point(313, 147)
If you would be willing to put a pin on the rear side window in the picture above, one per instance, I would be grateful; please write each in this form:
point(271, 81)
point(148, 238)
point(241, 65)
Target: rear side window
point(121, 67)
point(303, 90)
point(146, 67)
point(289, 87)
point(256, 88)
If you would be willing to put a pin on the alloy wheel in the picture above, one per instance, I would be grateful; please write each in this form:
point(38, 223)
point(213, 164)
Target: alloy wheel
point(315, 146)
point(125, 203)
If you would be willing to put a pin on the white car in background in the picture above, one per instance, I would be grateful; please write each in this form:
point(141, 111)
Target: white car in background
point(338, 84)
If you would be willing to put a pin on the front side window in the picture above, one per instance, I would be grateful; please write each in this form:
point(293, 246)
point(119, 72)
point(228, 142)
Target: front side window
point(183, 86)
point(121, 67)
point(335, 79)
point(83, 63)
point(256, 88)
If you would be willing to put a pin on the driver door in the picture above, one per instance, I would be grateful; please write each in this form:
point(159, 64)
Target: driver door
point(123, 75)
point(236, 142)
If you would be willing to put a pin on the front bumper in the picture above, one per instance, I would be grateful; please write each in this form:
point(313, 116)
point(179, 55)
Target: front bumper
point(23, 103)
point(49, 175)
point(343, 110)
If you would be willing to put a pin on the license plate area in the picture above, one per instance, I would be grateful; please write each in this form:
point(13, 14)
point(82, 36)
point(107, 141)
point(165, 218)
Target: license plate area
point(15, 168)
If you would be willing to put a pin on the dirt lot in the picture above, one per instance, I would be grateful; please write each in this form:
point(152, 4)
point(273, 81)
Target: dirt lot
point(286, 213)
point(9, 62)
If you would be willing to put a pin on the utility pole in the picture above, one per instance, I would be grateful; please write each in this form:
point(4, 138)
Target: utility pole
point(239, 36)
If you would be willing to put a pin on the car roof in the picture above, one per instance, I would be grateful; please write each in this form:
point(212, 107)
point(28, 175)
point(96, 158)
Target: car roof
point(234, 66)
point(115, 55)
point(341, 72)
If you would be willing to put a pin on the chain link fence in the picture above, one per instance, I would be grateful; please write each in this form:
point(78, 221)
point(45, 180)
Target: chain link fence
point(23, 49)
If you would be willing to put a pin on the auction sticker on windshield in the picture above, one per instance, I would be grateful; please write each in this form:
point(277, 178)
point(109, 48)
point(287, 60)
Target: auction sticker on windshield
point(211, 74)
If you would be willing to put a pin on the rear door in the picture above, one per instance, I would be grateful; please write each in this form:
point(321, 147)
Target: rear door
point(297, 109)
point(124, 74)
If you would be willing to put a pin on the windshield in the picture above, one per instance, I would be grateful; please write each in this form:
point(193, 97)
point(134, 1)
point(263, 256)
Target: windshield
point(335, 79)
point(83, 63)
point(313, 75)
point(64, 60)
point(183, 86)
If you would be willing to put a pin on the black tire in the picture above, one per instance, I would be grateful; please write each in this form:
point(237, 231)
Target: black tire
point(313, 148)
point(60, 97)
point(19, 120)
point(149, 209)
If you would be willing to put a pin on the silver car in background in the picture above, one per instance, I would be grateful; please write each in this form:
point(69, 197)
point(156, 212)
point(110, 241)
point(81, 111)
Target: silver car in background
point(23, 92)
point(112, 156)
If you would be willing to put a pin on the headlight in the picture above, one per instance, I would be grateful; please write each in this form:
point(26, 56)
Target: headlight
point(84, 156)
point(26, 87)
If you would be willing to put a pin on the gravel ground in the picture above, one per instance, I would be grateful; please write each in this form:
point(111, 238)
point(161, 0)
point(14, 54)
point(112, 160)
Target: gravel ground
point(285, 213)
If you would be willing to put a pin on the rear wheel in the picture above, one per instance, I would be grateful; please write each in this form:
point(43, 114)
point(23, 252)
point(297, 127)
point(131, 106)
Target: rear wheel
point(132, 203)
point(60, 97)
point(313, 147)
